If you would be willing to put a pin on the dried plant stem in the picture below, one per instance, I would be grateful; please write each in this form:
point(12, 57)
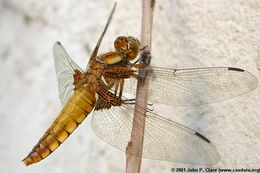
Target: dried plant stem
point(135, 145)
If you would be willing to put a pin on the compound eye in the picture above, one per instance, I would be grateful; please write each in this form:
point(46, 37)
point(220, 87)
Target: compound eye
point(117, 43)
point(121, 43)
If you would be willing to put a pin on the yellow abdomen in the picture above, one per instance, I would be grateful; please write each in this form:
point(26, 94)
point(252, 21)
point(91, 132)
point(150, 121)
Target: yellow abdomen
point(74, 112)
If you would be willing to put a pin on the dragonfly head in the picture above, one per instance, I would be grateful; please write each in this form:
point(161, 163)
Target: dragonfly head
point(129, 46)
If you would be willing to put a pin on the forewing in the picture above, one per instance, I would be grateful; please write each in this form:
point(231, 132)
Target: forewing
point(195, 86)
point(65, 68)
point(163, 138)
point(95, 51)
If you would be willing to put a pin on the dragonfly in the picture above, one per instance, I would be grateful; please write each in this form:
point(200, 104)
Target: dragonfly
point(101, 89)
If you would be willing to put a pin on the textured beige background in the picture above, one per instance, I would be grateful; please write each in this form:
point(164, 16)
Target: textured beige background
point(187, 33)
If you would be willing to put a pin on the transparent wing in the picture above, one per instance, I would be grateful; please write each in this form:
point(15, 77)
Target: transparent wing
point(95, 51)
point(195, 86)
point(163, 138)
point(65, 68)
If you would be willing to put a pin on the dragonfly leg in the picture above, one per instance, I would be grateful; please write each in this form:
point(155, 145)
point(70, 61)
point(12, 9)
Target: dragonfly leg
point(144, 48)
point(144, 62)
point(150, 104)
point(106, 99)
point(144, 59)
point(136, 62)
point(132, 102)
point(146, 56)
point(122, 82)
point(119, 86)
point(129, 101)
point(149, 109)
point(116, 87)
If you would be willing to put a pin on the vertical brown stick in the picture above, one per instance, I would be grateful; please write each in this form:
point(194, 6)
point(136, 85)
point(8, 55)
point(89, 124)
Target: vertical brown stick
point(133, 163)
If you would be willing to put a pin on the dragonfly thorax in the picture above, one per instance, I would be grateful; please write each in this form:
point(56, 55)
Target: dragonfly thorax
point(93, 75)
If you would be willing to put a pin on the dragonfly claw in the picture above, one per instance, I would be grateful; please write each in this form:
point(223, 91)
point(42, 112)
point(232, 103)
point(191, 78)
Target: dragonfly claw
point(146, 56)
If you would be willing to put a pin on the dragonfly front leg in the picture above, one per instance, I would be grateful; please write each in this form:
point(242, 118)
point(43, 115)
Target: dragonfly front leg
point(144, 61)
point(145, 56)
point(118, 86)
